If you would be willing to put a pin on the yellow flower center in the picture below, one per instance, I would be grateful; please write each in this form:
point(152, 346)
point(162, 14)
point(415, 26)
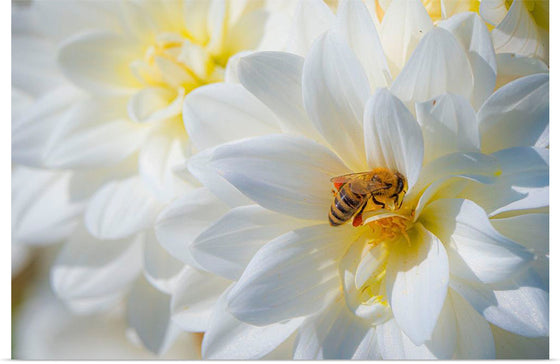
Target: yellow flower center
point(175, 61)
point(388, 229)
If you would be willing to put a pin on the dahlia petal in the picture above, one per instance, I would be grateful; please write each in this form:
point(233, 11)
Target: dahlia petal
point(90, 268)
point(194, 299)
point(513, 66)
point(472, 34)
point(519, 306)
point(148, 314)
point(229, 338)
point(438, 65)
point(44, 211)
point(394, 344)
point(264, 169)
point(195, 19)
point(493, 11)
point(160, 268)
point(178, 225)
point(523, 184)
point(227, 246)
point(405, 22)
point(477, 251)
point(311, 19)
point(443, 341)
point(199, 166)
point(153, 104)
point(36, 72)
point(293, 275)
point(94, 133)
point(518, 33)
point(99, 61)
point(449, 125)
point(163, 152)
point(121, 208)
point(356, 26)
point(334, 333)
point(392, 137)
point(511, 346)
point(335, 90)
point(32, 130)
point(275, 79)
point(219, 113)
point(474, 338)
point(368, 348)
point(516, 115)
point(417, 278)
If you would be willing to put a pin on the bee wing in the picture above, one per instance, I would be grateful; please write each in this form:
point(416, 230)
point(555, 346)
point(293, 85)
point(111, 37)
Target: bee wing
point(350, 177)
point(361, 182)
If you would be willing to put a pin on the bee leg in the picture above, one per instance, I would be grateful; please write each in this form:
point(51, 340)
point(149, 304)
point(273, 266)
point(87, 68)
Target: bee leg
point(378, 202)
point(358, 218)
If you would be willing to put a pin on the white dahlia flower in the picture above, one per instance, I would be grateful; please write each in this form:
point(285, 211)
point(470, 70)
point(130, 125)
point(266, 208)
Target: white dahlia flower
point(459, 271)
point(97, 133)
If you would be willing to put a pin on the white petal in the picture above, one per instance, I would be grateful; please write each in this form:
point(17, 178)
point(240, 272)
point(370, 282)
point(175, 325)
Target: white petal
point(229, 338)
point(335, 333)
point(165, 150)
point(356, 26)
point(513, 66)
point(444, 338)
point(152, 104)
point(516, 115)
point(226, 247)
point(195, 18)
point(160, 268)
point(95, 132)
point(287, 174)
point(311, 19)
point(518, 33)
point(511, 346)
point(394, 344)
point(473, 35)
point(477, 251)
point(32, 131)
point(392, 137)
point(474, 338)
point(291, 276)
point(532, 231)
point(44, 210)
point(216, 24)
point(335, 89)
point(449, 125)
point(417, 278)
point(99, 62)
point(194, 299)
point(519, 306)
point(200, 168)
point(438, 65)
point(474, 166)
point(121, 208)
point(147, 312)
point(493, 11)
point(368, 348)
point(522, 185)
point(184, 219)
point(90, 268)
point(275, 79)
point(219, 113)
point(405, 22)
point(35, 70)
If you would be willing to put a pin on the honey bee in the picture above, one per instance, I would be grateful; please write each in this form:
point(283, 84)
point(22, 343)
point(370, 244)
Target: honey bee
point(381, 185)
